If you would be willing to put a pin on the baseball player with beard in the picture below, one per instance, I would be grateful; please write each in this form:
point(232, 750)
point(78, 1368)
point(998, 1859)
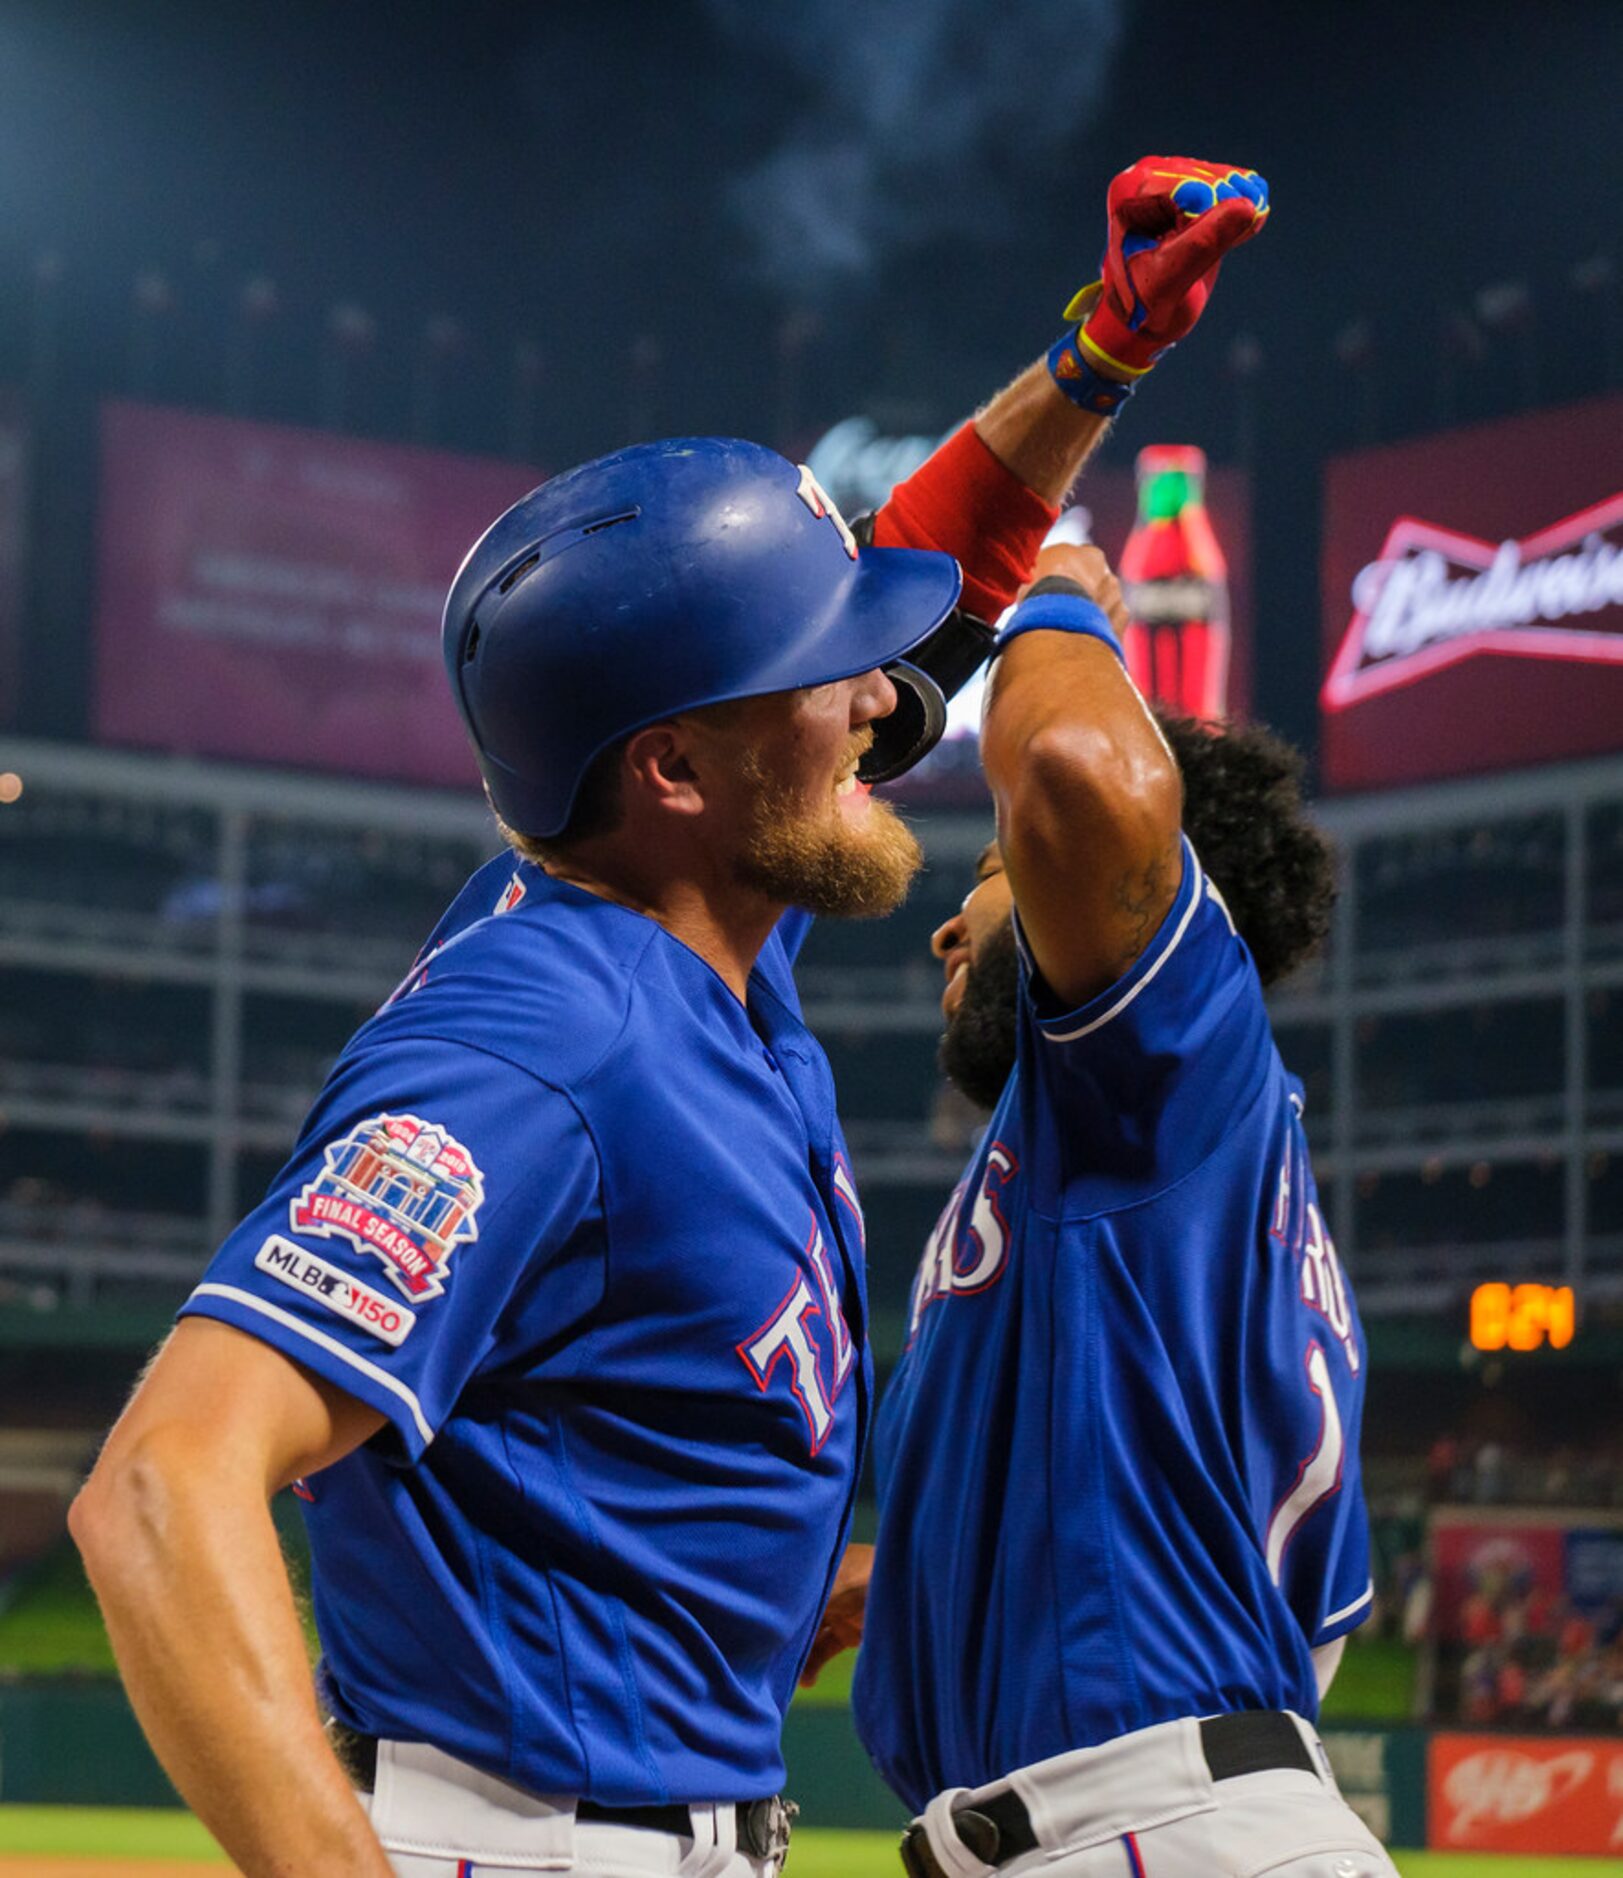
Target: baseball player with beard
point(1121, 1535)
point(556, 1315)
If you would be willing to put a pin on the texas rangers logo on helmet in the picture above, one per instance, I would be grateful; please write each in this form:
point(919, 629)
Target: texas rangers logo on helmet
point(401, 1189)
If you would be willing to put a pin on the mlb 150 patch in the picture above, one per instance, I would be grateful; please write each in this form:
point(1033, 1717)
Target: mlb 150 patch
point(401, 1189)
point(348, 1297)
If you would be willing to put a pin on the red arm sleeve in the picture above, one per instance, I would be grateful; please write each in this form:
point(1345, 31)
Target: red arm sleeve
point(965, 503)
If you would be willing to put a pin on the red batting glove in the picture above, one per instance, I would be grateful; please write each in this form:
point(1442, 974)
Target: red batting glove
point(1170, 221)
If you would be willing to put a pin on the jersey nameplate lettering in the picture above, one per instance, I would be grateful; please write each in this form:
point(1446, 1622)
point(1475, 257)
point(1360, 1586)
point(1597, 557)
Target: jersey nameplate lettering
point(348, 1297)
point(1298, 1224)
point(403, 1191)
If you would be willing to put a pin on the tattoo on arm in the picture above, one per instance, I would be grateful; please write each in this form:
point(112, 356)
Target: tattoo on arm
point(1141, 900)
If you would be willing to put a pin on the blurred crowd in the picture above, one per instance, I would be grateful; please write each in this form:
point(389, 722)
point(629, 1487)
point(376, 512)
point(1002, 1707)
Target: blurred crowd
point(1531, 1658)
point(1492, 1473)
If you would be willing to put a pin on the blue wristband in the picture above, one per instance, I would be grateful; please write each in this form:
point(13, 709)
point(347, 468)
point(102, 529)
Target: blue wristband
point(1055, 611)
point(1087, 389)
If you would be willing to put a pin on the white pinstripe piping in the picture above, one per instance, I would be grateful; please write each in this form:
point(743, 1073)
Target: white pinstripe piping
point(286, 1318)
point(1121, 1004)
point(1347, 1610)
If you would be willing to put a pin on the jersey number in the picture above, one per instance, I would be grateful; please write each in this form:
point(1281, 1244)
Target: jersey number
point(1319, 1476)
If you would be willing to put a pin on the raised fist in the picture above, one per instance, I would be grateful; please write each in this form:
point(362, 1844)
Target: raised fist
point(1170, 221)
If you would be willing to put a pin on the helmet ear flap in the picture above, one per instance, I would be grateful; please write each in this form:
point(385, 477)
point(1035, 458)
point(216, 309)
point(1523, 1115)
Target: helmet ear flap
point(911, 731)
point(930, 674)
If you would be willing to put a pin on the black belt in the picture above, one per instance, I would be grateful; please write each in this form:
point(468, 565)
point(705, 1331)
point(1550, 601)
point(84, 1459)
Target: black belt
point(999, 1829)
point(763, 1825)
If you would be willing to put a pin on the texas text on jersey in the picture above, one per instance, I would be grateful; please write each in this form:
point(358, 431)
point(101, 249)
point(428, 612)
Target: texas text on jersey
point(500, 1228)
point(1119, 1456)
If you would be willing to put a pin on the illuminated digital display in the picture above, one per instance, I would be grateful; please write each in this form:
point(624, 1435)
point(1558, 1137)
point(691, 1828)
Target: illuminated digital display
point(1522, 1317)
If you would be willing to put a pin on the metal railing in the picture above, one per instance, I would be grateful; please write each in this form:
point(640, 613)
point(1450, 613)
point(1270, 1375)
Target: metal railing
point(229, 1105)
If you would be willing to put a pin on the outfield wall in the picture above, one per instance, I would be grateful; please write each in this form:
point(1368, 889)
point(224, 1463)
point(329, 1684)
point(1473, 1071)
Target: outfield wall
point(74, 1741)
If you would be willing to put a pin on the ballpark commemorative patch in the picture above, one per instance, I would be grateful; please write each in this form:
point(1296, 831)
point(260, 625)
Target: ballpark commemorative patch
point(400, 1189)
point(348, 1297)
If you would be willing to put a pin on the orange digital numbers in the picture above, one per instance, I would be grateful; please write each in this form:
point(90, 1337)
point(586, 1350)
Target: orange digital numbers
point(1522, 1317)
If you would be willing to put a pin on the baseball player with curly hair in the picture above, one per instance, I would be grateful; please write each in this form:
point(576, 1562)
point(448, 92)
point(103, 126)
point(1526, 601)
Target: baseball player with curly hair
point(556, 1314)
point(1122, 1536)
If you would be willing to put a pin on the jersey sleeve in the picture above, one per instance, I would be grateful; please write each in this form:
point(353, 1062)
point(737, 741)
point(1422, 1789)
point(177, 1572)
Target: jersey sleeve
point(962, 501)
point(1146, 1077)
point(435, 1189)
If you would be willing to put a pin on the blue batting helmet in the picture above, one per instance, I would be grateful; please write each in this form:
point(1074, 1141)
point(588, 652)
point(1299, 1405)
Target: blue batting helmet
point(653, 581)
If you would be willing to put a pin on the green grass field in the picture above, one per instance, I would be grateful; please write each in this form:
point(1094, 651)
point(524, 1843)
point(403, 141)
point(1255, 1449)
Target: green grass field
point(61, 1831)
point(52, 1623)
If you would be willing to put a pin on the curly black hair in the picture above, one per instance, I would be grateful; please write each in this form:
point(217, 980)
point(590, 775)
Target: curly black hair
point(1243, 814)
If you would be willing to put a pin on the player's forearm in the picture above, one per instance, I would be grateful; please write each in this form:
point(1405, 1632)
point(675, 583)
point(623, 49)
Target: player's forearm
point(1089, 804)
point(1038, 435)
point(964, 501)
point(991, 492)
point(1069, 742)
point(203, 1623)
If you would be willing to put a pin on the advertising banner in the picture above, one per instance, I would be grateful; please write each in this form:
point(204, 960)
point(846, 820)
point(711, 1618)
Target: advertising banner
point(1595, 1567)
point(1472, 587)
point(274, 595)
point(1512, 1793)
point(858, 466)
point(1498, 1558)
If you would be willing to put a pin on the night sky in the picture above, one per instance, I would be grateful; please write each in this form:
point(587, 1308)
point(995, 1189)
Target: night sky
point(918, 187)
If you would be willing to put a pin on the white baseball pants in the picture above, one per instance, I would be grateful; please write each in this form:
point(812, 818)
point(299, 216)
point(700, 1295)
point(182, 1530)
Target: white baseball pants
point(439, 1818)
point(1146, 1806)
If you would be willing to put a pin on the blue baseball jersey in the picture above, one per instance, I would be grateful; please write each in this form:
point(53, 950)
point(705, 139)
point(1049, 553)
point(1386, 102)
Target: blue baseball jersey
point(579, 1224)
point(1119, 1458)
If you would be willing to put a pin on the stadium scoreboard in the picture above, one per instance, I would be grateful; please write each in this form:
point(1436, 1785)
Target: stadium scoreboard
point(1522, 1317)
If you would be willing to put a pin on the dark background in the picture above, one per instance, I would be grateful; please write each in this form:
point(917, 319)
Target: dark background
point(723, 215)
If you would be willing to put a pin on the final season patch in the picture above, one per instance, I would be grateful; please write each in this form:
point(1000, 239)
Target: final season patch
point(401, 1189)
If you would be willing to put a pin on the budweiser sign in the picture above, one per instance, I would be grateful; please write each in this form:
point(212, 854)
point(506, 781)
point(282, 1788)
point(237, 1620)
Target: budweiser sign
point(1435, 597)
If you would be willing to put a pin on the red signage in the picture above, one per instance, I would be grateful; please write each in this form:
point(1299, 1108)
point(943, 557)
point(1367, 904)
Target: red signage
point(1111, 497)
point(274, 595)
point(1507, 1793)
point(1492, 1558)
point(1473, 600)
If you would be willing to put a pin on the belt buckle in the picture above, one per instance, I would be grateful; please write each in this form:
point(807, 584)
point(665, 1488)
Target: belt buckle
point(764, 1827)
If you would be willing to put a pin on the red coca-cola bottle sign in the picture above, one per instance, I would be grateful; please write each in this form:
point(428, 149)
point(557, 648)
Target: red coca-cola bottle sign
point(1175, 582)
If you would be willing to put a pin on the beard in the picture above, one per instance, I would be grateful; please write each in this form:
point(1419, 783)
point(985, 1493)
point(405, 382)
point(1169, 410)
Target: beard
point(831, 867)
point(977, 1051)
